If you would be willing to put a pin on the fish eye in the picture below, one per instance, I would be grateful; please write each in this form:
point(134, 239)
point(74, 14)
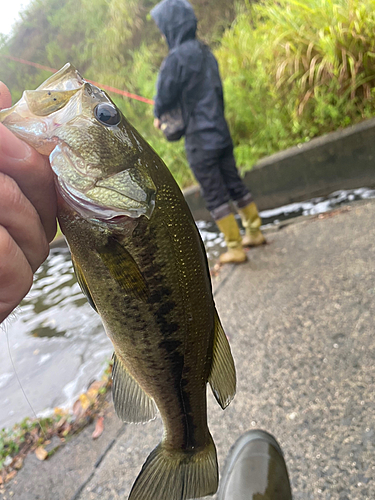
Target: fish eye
point(107, 114)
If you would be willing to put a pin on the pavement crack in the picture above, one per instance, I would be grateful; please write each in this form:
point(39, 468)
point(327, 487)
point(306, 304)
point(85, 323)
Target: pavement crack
point(100, 459)
point(222, 283)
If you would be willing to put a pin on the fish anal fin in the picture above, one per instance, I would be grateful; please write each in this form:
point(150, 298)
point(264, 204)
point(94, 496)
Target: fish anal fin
point(131, 403)
point(83, 283)
point(177, 474)
point(124, 270)
point(222, 376)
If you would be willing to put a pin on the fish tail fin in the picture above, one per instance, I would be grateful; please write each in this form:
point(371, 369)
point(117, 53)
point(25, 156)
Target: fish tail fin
point(177, 474)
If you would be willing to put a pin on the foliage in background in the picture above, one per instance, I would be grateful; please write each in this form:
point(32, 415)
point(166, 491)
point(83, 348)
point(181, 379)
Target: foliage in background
point(292, 70)
point(114, 42)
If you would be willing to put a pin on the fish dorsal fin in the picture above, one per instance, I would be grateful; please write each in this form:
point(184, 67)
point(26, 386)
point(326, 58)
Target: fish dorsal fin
point(222, 377)
point(83, 283)
point(131, 403)
point(124, 270)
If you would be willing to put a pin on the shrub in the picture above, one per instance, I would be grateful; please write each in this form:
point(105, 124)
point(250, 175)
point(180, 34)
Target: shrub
point(295, 70)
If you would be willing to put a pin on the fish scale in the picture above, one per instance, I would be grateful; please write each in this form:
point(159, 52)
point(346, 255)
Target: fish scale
point(141, 263)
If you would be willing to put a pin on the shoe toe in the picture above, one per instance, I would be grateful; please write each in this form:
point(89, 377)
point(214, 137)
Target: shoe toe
point(255, 470)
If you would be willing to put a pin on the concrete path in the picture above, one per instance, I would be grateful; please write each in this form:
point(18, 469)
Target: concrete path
point(300, 319)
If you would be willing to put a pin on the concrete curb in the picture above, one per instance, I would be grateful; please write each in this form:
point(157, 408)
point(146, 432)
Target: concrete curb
point(339, 160)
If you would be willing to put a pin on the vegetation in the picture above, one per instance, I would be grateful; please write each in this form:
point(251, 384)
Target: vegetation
point(45, 435)
point(292, 70)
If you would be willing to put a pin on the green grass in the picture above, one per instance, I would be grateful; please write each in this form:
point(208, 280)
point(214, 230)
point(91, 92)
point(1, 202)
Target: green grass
point(294, 70)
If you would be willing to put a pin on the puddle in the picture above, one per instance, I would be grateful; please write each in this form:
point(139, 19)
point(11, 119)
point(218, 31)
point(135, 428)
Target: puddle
point(214, 241)
point(315, 205)
point(57, 341)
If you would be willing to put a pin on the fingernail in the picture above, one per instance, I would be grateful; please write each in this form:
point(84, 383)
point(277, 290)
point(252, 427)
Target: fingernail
point(11, 146)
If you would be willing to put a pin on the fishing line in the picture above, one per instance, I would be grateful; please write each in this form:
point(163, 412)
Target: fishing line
point(19, 383)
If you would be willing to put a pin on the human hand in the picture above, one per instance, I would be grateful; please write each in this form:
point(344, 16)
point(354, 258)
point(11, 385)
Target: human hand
point(27, 214)
point(157, 123)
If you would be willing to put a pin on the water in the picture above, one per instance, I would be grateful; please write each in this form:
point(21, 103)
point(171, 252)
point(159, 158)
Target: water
point(57, 341)
point(214, 241)
point(315, 205)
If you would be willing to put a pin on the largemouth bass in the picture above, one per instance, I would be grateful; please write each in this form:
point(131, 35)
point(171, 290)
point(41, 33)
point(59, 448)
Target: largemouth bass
point(140, 261)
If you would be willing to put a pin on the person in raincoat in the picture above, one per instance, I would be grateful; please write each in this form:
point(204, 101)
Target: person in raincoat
point(208, 143)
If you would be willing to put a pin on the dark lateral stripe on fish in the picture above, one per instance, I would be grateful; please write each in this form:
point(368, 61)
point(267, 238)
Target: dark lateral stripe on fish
point(170, 345)
point(181, 384)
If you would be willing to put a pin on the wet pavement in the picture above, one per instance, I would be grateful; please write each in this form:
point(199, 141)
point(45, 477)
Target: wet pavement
point(299, 316)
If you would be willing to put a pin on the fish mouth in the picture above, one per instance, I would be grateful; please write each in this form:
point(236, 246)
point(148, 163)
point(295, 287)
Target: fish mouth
point(129, 193)
point(95, 211)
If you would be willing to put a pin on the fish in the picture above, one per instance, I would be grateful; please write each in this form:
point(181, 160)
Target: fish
point(140, 261)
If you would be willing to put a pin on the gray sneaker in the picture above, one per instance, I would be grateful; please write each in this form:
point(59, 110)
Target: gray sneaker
point(255, 469)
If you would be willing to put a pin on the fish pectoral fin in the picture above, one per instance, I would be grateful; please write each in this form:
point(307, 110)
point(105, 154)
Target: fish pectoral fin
point(83, 283)
point(124, 270)
point(131, 403)
point(222, 376)
point(170, 474)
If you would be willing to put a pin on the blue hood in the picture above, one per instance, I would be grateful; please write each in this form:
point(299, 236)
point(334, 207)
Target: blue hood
point(176, 20)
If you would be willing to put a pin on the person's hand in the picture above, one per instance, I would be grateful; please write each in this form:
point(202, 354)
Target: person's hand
point(27, 214)
point(157, 123)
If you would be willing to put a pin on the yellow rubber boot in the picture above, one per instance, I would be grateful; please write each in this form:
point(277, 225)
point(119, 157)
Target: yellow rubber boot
point(229, 227)
point(251, 222)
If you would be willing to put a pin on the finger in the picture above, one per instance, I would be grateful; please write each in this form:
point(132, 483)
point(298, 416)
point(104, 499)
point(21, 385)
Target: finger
point(33, 174)
point(5, 97)
point(20, 219)
point(16, 276)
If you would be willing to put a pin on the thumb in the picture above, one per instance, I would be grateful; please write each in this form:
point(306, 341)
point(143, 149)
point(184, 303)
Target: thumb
point(5, 97)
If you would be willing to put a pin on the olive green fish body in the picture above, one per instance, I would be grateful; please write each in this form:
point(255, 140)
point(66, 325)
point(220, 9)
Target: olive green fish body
point(162, 328)
point(140, 261)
